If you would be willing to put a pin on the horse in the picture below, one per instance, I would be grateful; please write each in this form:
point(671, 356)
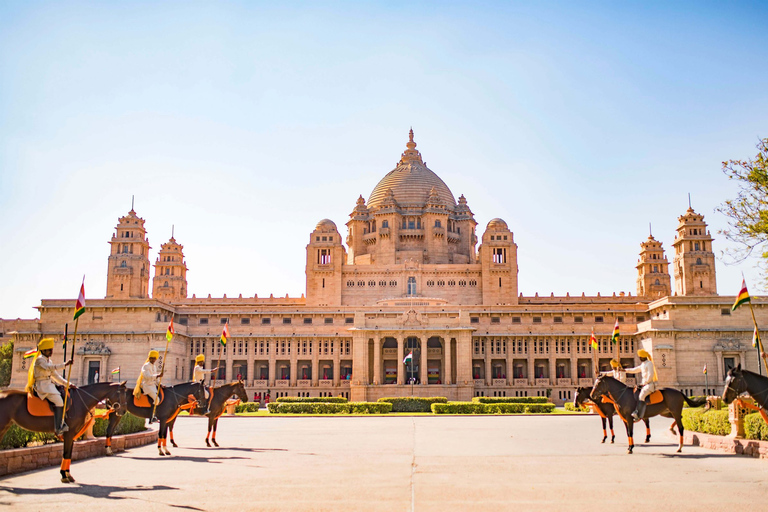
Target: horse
point(605, 410)
point(218, 402)
point(174, 398)
point(82, 400)
point(741, 381)
point(671, 405)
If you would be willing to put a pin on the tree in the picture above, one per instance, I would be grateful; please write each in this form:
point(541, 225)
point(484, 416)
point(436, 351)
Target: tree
point(748, 212)
point(6, 360)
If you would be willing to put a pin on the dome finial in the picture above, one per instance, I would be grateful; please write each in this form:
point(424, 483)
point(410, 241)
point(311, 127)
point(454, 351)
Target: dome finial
point(411, 145)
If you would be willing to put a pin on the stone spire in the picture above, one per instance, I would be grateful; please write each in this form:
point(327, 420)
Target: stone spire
point(411, 155)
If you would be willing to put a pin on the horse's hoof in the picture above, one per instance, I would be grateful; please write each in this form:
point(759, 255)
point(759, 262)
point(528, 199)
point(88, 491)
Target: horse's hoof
point(679, 450)
point(613, 438)
point(603, 441)
point(70, 479)
point(64, 480)
point(160, 452)
point(629, 450)
point(109, 452)
point(215, 443)
point(174, 444)
point(648, 439)
point(167, 452)
point(207, 443)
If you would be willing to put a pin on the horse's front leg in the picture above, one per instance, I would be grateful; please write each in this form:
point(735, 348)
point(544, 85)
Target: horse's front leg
point(66, 459)
point(630, 434)
point(208, 434)
point(647, 430)
point(170, 432)
point(112, 423)
point(610, 423)
point(164, 430)
point(213, 437)
point(679, 420)
point(605, 433)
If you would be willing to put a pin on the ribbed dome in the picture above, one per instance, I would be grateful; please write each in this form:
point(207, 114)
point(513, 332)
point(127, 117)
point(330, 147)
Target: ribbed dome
point(326, 225)
point(497, 223)
point(411, 182)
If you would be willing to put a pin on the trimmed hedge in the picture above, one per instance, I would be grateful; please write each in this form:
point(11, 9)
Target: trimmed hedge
point(129, 424)
point(413, 404)
point(247, 407)
point(17, 437)
point(496, 408)
point(755, 427)
point(330, 408)
point(511, 400)
point(572, 408)
point(706, 421)
point(312, 400)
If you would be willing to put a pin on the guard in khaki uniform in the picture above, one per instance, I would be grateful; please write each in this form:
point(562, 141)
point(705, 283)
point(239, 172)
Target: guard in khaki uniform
point(617, 373)
point(650, 381)
point(41, 378)
point(198, 375)
point(147, 382)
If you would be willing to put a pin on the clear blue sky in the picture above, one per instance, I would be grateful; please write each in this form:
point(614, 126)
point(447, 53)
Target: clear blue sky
point(245, 123)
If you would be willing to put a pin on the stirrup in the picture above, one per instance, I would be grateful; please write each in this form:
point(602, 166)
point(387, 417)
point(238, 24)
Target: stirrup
point(61, 429)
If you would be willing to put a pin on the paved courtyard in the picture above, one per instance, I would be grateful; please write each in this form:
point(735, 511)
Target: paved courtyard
point(400, 464)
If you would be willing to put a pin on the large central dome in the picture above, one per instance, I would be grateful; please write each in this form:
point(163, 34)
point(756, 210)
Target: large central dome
point(411, 182)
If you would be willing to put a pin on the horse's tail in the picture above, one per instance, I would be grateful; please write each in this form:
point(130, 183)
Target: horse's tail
point(695, 402)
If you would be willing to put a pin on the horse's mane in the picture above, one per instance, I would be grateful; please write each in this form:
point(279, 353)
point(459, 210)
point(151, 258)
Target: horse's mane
point(10, 392)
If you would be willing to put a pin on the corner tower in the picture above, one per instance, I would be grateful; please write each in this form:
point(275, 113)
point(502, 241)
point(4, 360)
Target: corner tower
point(170, 281)
point(325, 257)
point(128, 267)
point(694, 261)
point(498, 260)
point(653, 279)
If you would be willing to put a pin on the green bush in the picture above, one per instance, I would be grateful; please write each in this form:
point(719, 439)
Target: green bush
point(572, 408)
point(17, 437)
point(755, 427)
point(504, 408)
point(413, 404)
point(6, 361)
point(302, 399)
point(129, 424)
point(247, 407)
point(330, 408)
point(511, 400)
point(459, 408)
point(539, 408)
point(706, 421)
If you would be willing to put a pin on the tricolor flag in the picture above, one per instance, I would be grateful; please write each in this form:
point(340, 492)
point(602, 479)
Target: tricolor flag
point(742, 297)
point(30, 353)
point(409, 357)
point(225, 334)
point(593, 340)
point(80, 304)
point(705, 369)
point(755, 338)
point(116, 371)
point(615, 335)
point(170, 332)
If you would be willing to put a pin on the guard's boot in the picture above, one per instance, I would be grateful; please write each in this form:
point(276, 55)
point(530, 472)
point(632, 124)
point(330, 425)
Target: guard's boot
point(59, 426)
point(639, 410)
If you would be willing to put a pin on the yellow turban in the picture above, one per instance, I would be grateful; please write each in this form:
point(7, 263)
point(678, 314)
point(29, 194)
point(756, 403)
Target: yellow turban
point(137, 389)
point(614, 363)
point(45, 344)
point(200, 358)
point(153, 353)
point(643, 353)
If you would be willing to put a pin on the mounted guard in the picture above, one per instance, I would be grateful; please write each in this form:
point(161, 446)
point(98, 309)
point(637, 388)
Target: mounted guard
point(147, 382)
point(41, 378)
point(650, 381)
point(617, 372)
point(198, 375)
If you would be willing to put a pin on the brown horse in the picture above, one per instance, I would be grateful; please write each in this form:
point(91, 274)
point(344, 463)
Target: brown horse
point(13, 408)
point(175, 397)
point(671, 405)
point(741, 381)
point(218, 402)
point(606, 410)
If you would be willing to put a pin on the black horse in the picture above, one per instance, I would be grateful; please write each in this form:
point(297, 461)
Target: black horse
point(605, 410)
point(175, 397)
point(82, 400)
point(217, 404)
point(671, 405)
point(741, 381)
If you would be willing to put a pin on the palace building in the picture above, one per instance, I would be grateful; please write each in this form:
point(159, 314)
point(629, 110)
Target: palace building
point(412, 276)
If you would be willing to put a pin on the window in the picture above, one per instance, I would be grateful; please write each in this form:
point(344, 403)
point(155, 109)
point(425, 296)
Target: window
point(698, 261)
point(438, 224)
point(393, 283)
point(349, 320)
point(558, 319)
point(266, 321)
point(372, 284)
point(382, 283)
point(621, 319)
point(411, 286)
point(598, 319)
point(440, 282)
point(245, 321)
point(499, 255)
point(183, 320)
point(324, 256)
point(462, 283)
point(728, 364)
point(328, 321)
point(725, 312)
point(385, 224)
point(451, 282)
point(430, 283)
point(307, 320)
point(640, 318)
point(516, 320)
point(203, 321)
point(474, 320)
point(578, 319)
point(350, 284)
point(537, 319)
point(495, 320)
point(696, 246)
point(286, 320)
point(224, 320)
point(472, 282)
point(361, 283)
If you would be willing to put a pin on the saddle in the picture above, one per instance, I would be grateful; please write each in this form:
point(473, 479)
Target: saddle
point(143, 400)
point(654, 398)
point(38, 406)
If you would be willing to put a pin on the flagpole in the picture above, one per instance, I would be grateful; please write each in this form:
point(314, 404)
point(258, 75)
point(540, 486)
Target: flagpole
point(618, 357)
point(759, 347)
point(69, 375)
point(162, 370)
point(706, 381)
point(66, 328)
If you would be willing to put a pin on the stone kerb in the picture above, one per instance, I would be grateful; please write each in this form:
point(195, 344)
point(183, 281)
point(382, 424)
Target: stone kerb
point(728, 444)
point(18, 460)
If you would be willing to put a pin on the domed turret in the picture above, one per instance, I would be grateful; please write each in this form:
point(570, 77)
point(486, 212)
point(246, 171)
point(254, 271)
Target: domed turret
point(326, 225)
point(497, 224)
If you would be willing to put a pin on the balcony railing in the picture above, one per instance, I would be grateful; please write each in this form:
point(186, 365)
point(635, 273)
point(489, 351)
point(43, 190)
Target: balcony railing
point(542, 382)
point(499, 382)
point(520, 382)
point(282, 383)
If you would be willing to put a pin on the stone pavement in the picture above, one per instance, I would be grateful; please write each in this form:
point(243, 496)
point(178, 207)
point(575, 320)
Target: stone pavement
point(421, 463)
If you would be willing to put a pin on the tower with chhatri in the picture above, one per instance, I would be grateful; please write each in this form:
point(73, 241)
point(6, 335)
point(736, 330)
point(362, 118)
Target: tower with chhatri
point(694, 262)
point(170, 281)
point(653, 279)
point(128, 265)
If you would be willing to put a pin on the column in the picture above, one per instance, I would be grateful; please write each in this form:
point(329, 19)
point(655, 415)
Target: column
point(464, 361)
point(488, 375)
point(315, 362)
point(424, 342)
point(376, 360)
point(552, 369)
point(293, 345)
point(446, 359)
point(250, 347)
point(400, 356)
point(574, 364)
point(336, 361)
point(510, 363)
point(531, 356)
point(272, 346)
point(229, 349)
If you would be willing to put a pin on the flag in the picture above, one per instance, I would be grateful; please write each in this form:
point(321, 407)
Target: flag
point(30, 353)
point(170, 332)
point(409, 357)
point(742, 297)
point(225, 334)
point(705, 369)
point(615, 335)
point(80, 304)
point(593, 340)
point(755, 338)
point(116, 371)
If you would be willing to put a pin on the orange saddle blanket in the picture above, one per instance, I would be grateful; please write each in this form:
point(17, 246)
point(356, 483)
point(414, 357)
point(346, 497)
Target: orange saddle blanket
point(143, 400)
point(37, 406)
point(656, 397)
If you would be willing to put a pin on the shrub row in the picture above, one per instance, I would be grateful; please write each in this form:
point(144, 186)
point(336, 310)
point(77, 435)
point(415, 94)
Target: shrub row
point(312, 400)
point(495, 408)
point(755, 427)
point(572, 408)
point(511, 400)
point(706, 421)
point(247, 407)
point(413, 404)
point(330, 408)
point(129, 424)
